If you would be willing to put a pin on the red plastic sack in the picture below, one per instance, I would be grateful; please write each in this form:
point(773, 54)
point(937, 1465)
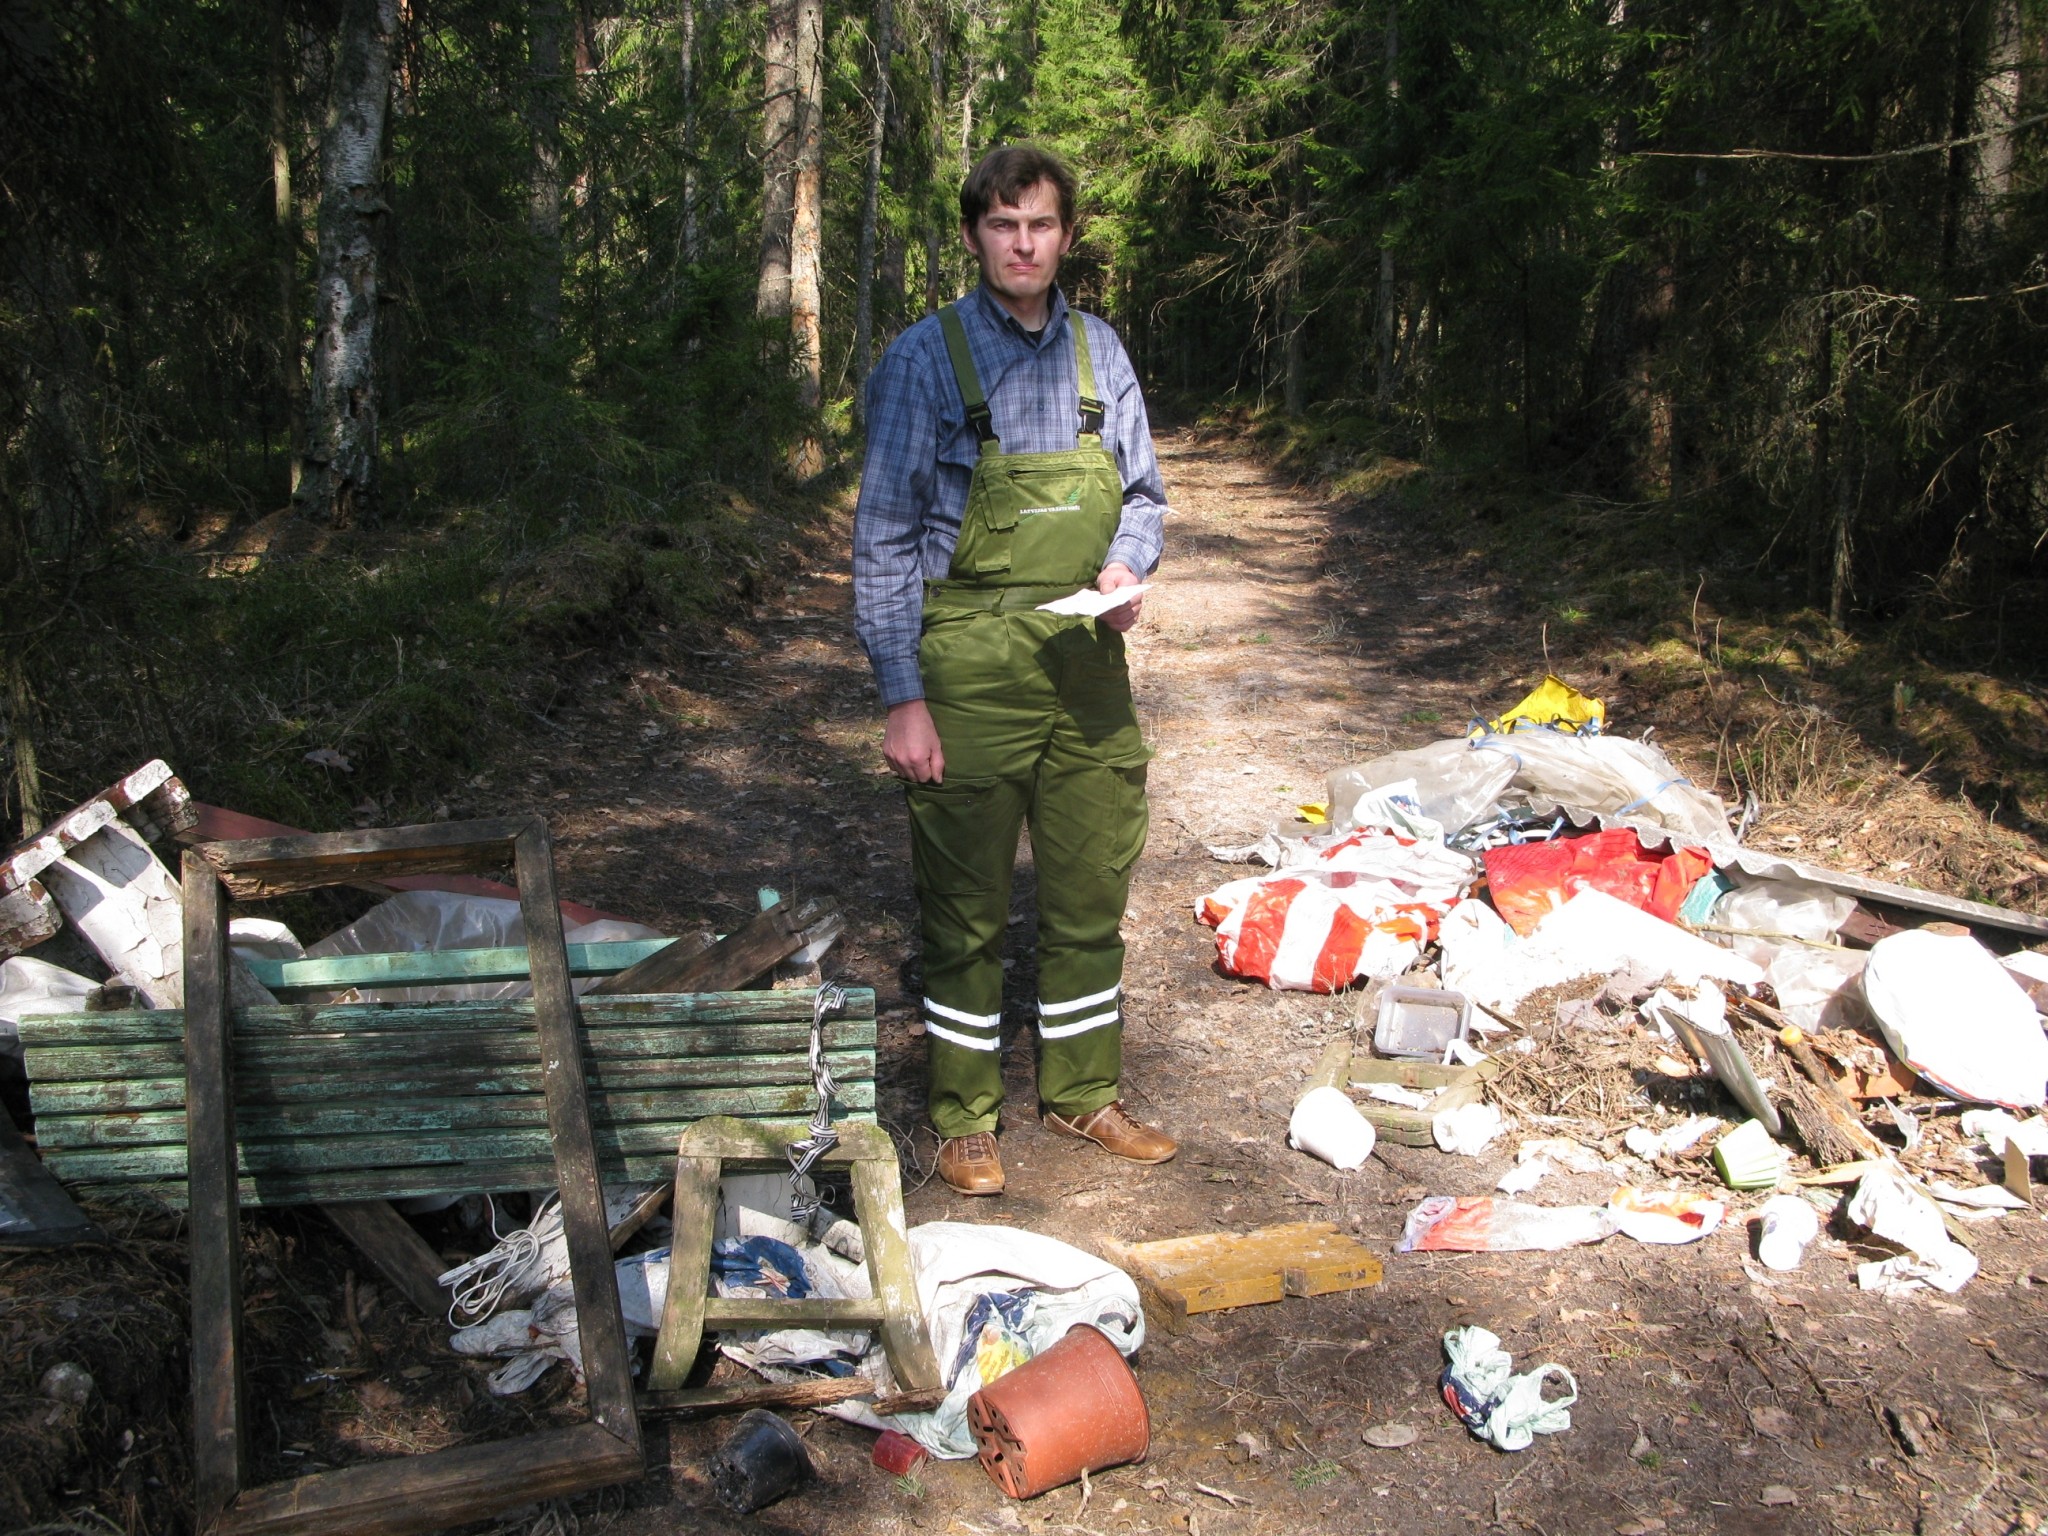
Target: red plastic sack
point(1529, 881)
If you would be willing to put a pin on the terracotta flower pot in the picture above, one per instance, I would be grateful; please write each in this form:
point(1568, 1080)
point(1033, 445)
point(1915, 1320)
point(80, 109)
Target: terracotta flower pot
point(1076, 1408)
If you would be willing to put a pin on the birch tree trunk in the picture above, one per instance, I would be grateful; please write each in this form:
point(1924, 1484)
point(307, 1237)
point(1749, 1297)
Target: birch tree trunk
point(807, 204)
point(339, 482)
point(806, 220)
point(870, 211)
point(778, 159)
point(544, 174)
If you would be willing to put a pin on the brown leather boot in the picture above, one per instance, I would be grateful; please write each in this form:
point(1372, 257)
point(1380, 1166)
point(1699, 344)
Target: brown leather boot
point(1113, 1129)
point(970, 1165)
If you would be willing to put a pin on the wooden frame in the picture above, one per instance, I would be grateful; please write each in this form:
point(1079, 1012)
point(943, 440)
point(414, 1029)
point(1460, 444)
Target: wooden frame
point(449, 1487)
point(701, 1155)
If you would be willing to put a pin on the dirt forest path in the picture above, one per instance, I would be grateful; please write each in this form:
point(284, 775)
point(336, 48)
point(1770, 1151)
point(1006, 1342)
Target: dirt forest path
point(1285, 637)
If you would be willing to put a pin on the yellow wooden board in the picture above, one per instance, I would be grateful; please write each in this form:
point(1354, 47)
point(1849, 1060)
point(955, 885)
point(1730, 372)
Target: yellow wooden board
point(1217, 1270)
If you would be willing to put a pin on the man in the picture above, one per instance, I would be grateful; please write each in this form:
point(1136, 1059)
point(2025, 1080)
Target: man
point(998, 479)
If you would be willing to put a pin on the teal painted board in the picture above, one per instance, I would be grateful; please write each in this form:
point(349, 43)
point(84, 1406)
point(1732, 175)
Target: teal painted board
point(655, 1010)
point(258, 1087)
point(303, 1157)
point(368, 1108)
point(442, 967)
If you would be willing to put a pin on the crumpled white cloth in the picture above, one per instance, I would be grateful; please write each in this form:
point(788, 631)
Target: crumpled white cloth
point(1496, 1404)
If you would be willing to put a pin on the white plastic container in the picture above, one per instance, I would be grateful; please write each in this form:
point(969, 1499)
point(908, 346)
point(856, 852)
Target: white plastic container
point(1785, 1225)
point(1326, 1124)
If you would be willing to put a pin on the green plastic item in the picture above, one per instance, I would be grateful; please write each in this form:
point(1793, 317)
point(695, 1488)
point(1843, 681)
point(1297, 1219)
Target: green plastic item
point(1747, 1158)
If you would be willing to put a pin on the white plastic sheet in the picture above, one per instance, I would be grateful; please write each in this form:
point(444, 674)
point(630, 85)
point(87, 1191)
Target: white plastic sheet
point(28, 987)
point(1950, 1012)
point(1593, 934)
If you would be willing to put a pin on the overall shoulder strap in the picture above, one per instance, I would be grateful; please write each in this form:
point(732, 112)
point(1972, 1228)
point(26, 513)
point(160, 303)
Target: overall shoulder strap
point(964, 375)
point(1084, 367)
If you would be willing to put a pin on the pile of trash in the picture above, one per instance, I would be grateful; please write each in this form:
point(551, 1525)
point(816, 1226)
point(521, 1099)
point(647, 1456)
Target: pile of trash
point(1567, 943)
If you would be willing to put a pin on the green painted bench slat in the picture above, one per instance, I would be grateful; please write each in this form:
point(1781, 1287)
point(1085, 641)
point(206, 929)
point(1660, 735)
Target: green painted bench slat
point(341, 1082)
point(165, 1125)
point(442, 967)
point(379, 1101)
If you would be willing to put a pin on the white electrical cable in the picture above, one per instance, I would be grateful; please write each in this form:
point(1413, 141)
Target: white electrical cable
point(804, 1155)
point(481, 1284)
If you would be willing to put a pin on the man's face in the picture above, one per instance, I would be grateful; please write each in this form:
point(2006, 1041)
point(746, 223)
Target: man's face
point(1019, 246)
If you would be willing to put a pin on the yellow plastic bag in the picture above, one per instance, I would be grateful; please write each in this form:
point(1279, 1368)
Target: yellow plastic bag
point(1554, 705)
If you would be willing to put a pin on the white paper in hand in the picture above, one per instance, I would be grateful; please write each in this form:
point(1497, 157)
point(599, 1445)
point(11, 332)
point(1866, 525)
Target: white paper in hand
point(1089, 603)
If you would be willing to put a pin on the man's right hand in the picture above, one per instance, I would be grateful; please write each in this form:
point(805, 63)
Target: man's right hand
point(910, 742)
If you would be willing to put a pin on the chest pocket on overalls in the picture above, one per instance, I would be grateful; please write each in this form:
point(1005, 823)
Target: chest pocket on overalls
point(1034, 519)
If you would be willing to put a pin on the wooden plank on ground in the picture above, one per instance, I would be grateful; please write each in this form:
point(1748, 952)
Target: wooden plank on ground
point(425, 1493)
point(280, 866)
point(35, 1212)
point(1216, 1270)
point(395, 1246)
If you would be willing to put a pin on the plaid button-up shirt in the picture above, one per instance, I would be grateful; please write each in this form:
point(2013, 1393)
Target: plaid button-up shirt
point(921, 453)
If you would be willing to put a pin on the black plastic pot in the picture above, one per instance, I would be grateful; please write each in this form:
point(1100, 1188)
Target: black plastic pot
point(761, 1461)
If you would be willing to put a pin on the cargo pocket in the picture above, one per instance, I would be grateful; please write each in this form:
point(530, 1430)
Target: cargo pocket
point(955, 846)
point(1131, 817)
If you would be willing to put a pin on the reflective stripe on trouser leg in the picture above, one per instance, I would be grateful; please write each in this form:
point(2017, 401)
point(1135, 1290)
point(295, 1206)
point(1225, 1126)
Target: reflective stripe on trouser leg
point(1088, 822)
point(963, 841)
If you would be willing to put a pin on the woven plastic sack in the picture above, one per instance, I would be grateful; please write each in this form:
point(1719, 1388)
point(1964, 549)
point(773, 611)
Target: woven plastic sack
point(1364, 907)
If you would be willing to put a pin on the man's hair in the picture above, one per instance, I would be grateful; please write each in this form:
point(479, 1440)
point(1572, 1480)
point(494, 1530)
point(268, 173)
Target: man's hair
point(1005, 174)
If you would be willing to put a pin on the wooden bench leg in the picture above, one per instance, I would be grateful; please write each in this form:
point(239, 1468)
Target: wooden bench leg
point(689, 1269)
point(885, 1237)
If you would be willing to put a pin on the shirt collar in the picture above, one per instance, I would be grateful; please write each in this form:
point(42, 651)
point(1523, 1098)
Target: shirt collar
point(993, 311)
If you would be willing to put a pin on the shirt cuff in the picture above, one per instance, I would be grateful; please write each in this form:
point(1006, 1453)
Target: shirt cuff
point(899, 681)
point(1128, 549)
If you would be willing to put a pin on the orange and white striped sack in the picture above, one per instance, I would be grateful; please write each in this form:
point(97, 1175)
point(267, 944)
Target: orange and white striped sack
point(1362, 905)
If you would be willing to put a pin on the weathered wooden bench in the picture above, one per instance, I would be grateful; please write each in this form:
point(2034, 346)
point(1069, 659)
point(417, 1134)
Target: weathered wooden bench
point(367, 1101)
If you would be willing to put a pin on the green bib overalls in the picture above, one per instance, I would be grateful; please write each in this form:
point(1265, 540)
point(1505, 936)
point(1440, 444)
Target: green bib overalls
point(1036, 723)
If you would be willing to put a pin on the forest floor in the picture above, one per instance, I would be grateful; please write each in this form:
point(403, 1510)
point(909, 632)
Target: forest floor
point(1287, 635)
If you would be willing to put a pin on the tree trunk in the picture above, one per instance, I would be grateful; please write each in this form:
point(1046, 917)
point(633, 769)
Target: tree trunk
point(778, 159)
point(1997, 108)
point(544, 25)
point(807, 206)
point(806, 322)
point(692, 247)
point(285, 216)
point(937, 223)
point(870, 211)
point(339, 483)
point(1383, 382)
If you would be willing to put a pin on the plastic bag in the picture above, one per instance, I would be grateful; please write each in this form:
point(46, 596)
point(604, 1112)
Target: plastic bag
point(1364, 907)
point(415, 921)
point(1482, 1224)
point(1509, 1410)
point(1529, 881)
point(1456, 782)
point(1789, 909)
point(29, 987)
point(1554, 705)
point(1618, 782)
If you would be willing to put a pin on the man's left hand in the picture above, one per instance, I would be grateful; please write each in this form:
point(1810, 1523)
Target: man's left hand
point(1114, 575)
